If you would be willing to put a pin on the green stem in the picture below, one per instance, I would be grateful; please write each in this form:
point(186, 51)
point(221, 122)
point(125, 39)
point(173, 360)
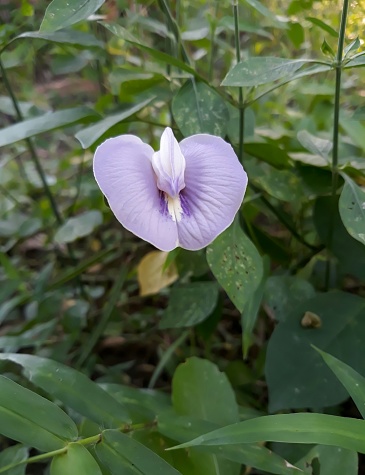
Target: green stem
point(212, 36)
point(174, 28)
point(336, 120)
point(240, 91)
point(31, 148)
point(36, 458)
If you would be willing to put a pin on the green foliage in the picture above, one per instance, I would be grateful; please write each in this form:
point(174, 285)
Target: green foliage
point(283, 286)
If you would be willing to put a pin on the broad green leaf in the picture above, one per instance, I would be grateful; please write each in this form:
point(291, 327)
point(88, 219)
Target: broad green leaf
point(352, 209)
point(44, 123)
point(70, 387)
point(28, 338)
point(281, 184)
point(332, 460)
point(198, 109)
point(236, 264)
point(73, 37)
point(227, 22)
point(315, 145)
point(296, 375)
point(261, 70)
point(184, 428)
point(268, 152)
point(190, 304)
point(76, 461)
point(33, 420)
point(305, 428)
point(296, 34)
point(351, 379)
point(349, 252)
point(147, 403)
point(321, 24)
point(283, 293)
point(78, 226)
point(63, 13)
point(124, 455)
point(91, 134)
point(200, 390)
point(124, 34)
point(11, 456)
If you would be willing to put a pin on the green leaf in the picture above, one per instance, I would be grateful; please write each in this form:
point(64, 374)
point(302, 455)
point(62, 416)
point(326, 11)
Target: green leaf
point(198, 109)
point(332, 460)
point(321, 24)
point(251, 310)
point(327, 50)
point(91, 134)
point(259, 7)
point(76, 461)
point(355, 130)
point(268, 152)
point(70, 387)
point(283, 293)
point(124, 34)
point(78, 227)
point(356, 62)
point(305, 428)
point(44, 123)
point(281, 184)
point(11, 456)
point(353, 46)
point(63, 13)
point(315, 145)
point(296, 375)
point(236, 264)
point(33, 420)
point(190, 304)
point(352, 209)
point(184, 428)
point(261, 70)
point(200, 390)
point(73, 37)
point(296, 34)
point(351, 379)
point(124, 455)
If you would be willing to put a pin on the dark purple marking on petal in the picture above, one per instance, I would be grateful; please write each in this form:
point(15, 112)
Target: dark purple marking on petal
point(184, 204)
point(163, 204)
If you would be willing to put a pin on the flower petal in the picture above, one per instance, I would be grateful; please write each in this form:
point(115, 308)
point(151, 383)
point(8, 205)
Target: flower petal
point(215, 186)
point(169, 164)
point(123, 171)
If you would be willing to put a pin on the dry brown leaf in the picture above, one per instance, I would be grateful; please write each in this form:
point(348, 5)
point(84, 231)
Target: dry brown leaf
point(151, 276)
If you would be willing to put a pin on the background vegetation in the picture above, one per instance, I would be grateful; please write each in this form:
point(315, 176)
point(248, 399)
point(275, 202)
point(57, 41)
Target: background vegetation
point(111, 351)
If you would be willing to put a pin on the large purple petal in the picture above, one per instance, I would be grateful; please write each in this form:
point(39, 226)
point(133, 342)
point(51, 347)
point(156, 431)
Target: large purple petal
point(215, 186)
point(123, 171)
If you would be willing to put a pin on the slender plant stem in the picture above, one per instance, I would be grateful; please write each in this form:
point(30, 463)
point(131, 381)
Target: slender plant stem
point(336, 120)
point(212, 36)
point(31, 148)
point(240, 91)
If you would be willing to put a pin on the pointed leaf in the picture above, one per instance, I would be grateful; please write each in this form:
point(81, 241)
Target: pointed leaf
point(236, 264)
point(73, 37)
point(29, 418)
point(91, 134)
point(44, 123)
point(70, 387)
point(304, 428)
point(321, 24)
point(63, 13)
point(352, 209)
point(351, 379)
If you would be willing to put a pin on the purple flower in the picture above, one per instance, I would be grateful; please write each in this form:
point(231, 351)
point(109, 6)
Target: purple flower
point(183, 195)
